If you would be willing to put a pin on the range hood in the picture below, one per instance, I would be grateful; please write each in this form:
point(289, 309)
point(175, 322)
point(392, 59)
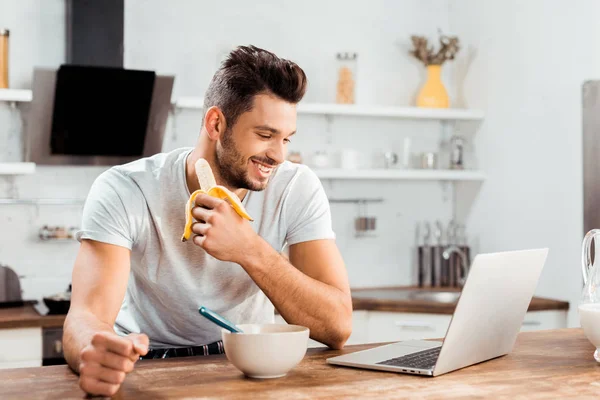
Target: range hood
point(96, 115)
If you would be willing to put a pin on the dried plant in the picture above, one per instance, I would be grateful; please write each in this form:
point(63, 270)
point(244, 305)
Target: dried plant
point(421, 51)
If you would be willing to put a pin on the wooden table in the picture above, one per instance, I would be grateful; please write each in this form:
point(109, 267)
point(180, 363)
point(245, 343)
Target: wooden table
point(544, 364)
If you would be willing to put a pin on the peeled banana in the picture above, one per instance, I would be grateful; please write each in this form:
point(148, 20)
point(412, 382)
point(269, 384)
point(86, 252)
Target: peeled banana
point(209, 186)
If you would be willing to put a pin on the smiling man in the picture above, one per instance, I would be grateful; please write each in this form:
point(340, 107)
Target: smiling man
point(137, 288)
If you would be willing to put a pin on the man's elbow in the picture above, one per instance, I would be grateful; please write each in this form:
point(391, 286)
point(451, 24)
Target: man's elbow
point(341, 337)
point(342, 331)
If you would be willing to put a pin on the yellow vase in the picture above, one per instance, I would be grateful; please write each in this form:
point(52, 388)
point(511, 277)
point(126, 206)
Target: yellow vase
point(433, 94)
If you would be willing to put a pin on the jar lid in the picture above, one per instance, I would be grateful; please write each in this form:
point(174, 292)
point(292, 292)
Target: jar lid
point(4, 32)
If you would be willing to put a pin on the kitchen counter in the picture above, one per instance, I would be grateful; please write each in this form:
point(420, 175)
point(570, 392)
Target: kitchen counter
point(397, 299)
point(374, 299)
point(28, 317)
point(544, 364)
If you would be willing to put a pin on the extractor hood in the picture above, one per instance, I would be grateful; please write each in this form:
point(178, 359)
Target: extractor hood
point(91, 115)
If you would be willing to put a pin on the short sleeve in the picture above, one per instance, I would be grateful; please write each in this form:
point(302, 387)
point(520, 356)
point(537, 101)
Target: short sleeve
point(113, 210)
point(307, 209)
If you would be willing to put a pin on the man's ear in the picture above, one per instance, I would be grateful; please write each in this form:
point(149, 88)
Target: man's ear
point(214, 123)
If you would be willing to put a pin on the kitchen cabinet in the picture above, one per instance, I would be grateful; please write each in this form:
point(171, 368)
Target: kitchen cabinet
point(20, 347)
point(394, 326)
point(382, 326)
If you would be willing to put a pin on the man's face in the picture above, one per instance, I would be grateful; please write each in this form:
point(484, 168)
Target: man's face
point(248, 152)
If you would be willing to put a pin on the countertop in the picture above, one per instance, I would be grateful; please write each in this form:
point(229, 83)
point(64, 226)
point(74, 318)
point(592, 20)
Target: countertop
point(380, 301)
point(28, 317)
point(544, 364)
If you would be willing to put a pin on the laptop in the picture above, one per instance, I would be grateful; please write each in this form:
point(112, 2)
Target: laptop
point(485, 323)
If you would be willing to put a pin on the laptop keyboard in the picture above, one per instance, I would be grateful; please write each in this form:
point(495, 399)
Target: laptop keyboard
point(425, 359)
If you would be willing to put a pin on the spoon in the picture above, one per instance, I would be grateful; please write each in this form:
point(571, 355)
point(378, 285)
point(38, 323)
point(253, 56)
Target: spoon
point(219, 320)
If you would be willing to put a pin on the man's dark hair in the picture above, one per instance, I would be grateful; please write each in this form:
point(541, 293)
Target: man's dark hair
point(248, 71)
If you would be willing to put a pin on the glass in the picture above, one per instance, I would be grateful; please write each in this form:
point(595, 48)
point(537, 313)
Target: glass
point(346, 84)
point(4, 34)
point(589, 304)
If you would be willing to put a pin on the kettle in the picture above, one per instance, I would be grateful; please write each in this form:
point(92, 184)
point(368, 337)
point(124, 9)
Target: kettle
point(10, 288)
point(589, 302)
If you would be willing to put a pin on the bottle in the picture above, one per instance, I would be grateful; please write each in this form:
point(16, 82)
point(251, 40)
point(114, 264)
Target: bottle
point(4, 34)
point(346, 83)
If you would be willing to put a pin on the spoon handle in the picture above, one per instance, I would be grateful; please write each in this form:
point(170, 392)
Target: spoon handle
point(219, 320)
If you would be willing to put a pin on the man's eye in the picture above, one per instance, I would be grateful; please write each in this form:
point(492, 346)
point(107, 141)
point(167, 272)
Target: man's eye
point(287, 140)
point(264, 136)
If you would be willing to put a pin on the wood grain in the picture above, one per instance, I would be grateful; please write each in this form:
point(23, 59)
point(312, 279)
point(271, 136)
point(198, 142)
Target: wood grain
point(27, 317)
point(544, 364)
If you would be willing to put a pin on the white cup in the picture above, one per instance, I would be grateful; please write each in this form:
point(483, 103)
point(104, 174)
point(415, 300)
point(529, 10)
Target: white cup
point(349, 159)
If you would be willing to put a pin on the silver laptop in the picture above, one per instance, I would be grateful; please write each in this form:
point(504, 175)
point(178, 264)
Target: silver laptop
point(485, 324)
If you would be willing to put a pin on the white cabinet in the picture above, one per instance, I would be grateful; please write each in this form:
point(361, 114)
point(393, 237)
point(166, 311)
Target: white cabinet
point(394, 326)
point(380, 326)
point(543, 320)
point(20, 347)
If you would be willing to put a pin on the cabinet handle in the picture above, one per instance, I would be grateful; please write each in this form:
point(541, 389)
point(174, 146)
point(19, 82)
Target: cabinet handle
point(58, 346)
point(414, 325)
point(532, 323)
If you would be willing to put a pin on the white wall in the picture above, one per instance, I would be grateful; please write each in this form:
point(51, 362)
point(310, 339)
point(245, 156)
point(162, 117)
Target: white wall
point(187, 38)
point(532, 58)
point(529, 144)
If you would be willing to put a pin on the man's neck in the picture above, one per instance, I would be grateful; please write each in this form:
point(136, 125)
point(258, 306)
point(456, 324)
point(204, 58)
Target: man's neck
point(190, 172)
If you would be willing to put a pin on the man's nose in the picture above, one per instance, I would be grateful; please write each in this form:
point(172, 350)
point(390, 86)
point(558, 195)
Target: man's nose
point(277, 152)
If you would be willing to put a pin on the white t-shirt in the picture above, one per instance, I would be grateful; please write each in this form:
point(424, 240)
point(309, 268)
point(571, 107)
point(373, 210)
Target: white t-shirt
point(141, 206)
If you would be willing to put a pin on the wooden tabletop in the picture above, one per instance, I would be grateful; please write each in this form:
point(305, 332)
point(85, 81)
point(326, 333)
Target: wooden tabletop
point(27, 317)
point(544, 364)
point(380, 303)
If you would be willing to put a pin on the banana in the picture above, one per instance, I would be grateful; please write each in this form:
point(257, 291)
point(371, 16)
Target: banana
point(209, 186)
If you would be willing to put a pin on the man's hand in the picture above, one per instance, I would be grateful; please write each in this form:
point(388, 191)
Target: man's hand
point(221, 232)
point(107, 359)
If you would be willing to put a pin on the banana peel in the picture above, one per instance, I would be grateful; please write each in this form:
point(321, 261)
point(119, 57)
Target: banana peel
point(209, 186)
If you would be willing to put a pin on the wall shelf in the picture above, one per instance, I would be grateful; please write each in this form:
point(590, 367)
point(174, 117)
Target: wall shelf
point(400, 174)
point(357, 110)
point(17, 168)
point(43, 202)
point(448, 114)
point(15, 95)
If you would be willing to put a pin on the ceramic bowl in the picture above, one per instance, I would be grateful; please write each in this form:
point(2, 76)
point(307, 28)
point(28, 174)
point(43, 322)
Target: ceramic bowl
point(266, 350)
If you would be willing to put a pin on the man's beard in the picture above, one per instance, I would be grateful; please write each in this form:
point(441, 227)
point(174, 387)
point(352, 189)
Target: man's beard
point(233, 168)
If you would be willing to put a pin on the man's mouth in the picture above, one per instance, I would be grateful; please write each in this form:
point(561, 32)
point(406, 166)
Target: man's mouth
point(262, 170)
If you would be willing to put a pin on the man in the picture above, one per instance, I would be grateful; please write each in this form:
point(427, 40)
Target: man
point(137, 288)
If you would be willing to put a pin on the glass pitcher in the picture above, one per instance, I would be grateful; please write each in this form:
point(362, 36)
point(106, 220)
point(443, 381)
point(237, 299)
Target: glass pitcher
point(589, 303)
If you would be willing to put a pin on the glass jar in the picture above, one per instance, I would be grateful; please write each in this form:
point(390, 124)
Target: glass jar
point(346, 83)
point(4, 33)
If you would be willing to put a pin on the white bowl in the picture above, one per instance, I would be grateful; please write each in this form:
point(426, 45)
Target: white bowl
point(266, 351)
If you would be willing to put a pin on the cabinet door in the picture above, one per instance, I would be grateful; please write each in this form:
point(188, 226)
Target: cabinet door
point(542, 320)
point(359, 329)
point(20, 347)
point(394, 327)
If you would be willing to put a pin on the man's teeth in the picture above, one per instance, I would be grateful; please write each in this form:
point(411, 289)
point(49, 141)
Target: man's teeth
point(263, 168)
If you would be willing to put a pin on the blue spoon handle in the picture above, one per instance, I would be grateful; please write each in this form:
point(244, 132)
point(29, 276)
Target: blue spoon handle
point(219, 320)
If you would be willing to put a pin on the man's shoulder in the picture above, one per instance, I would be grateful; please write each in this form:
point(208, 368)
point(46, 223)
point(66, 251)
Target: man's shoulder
point(153, 163)
point(143, 173)
point(288, 173)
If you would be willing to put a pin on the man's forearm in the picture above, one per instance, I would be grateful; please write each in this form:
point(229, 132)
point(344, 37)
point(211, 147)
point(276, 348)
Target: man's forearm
point(301, 300)
point(79, 328)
